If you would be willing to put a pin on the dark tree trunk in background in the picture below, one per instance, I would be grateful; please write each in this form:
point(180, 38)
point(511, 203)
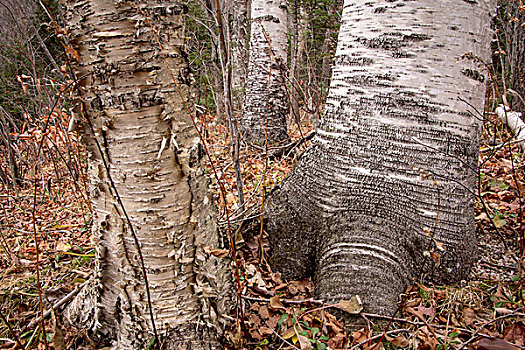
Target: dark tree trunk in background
point(395, 155)
point(510, 23)
point(147, 141)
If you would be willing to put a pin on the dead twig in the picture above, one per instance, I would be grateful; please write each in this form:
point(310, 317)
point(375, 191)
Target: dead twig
point(480, 328)
point(394, 331)
point(13, 334)
point(57, 305)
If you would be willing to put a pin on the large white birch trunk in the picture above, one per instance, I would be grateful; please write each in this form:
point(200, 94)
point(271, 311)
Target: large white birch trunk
point(395, 155)
point(139, 130)
point(266, 102)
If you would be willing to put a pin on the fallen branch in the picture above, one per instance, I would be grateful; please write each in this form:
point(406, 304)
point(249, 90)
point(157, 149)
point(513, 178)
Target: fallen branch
point(58, 304)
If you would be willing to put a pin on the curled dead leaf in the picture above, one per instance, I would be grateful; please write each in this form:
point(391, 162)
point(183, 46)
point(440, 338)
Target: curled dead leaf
point(360, 335)
point(220, 253)
point(275, 303)
point(352, 306)
point(290, 332)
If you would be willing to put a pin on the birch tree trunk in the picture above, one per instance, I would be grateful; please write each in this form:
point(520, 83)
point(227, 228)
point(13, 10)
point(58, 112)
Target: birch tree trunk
point(266, 102)
point(394, 159)
point(238, 18)
point(152, 209)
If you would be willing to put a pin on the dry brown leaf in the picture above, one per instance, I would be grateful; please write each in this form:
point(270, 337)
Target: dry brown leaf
point(220, 253)
point(352, 306)
point(276, 278)
point(427, 337)
point(71, 52)
point(272, 321)
point(415, 312)
point(428, 311)
point(58, 333)
point(276, 304)
point(304, 342)
point(254, 320)
point(493, 344)
point(337, 341)
point(254, 333)
point(360, 335)
point(290, 332)
point(469, 316)
point(265, 330)
point(305, 286)
point(63, 247)
point(437, 258)
point(515, 333)
point(400, 340)
point(264, 312)
point(332, 322)
point(292, 289)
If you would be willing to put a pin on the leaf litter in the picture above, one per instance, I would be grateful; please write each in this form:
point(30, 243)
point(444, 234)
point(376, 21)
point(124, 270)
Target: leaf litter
point(485, 313)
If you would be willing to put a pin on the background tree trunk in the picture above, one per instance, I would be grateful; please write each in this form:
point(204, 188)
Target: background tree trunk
point(237, 11)
point(294, 21)
point(510, 62)
point(266, 102)
point(136, 127)
point(395, 155)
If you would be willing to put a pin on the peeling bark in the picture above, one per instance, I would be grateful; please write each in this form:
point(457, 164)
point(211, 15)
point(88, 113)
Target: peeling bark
point(266, 102)
point(395, 155)
point(147, 141)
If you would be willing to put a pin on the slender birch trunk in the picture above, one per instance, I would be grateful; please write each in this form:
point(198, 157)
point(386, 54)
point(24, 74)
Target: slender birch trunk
point(237, 11)
point(146, 184)
point(266, 102)
point(392, 169)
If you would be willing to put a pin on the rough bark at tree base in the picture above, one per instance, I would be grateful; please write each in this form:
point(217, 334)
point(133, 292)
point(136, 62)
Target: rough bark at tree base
point(389, 178)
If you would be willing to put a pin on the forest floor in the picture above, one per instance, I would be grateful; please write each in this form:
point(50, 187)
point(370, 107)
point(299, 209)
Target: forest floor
point(487, 312)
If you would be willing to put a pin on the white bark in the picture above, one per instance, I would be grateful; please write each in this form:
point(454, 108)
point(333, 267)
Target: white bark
point(147, 141)
point(356, 211)
point(237, 11)
point(266, 103)
point(514, 122)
